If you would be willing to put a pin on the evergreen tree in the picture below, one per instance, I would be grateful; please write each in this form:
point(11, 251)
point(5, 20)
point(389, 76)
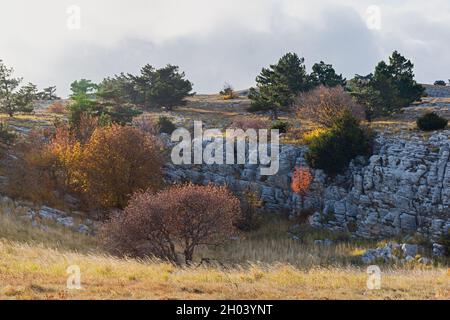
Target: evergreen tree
point(83, 87)
point(25, 97)
point(278, 85)
point(13, 98)
point(48, 94)
point(169, 88)
point(324, 74)
point(389, 89)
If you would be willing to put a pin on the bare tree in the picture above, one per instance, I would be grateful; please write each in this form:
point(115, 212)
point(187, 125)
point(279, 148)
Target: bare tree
point(324, 105)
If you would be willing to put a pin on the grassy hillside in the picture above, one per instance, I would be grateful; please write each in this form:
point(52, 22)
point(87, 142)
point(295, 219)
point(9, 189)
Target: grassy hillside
point(33, 264)
point(265, 264)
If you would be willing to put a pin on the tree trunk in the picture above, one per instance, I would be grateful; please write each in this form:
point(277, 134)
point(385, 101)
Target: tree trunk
point(274, 114)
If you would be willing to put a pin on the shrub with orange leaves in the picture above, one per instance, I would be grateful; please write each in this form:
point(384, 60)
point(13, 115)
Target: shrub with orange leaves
point(30, 170)
point(301, 182)
point(116, 162)
point(67, 151)
point(106, 170)
point(172, 222)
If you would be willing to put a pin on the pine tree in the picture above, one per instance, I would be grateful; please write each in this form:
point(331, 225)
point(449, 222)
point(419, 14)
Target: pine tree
point(324, 74)
point(278, 85)
point(48, 94)
point(13, 98)
point(389, 89)
point(169, 88)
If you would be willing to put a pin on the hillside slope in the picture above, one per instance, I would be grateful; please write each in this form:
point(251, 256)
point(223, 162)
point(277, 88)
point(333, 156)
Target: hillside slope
point(34, 266)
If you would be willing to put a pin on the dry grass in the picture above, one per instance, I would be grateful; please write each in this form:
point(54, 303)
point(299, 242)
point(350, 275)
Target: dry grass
point(34, 272)
point(34, 266)
point(50, 235)
point(267, 264)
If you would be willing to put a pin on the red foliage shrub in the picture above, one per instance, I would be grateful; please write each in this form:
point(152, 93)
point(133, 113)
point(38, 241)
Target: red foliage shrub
point(250, 123)
point(301, 182)
point(172, 222)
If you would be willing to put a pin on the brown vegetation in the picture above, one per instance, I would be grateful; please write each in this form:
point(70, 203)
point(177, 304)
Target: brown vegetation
point(245, 123)
point(172, 222)
point(324, 105)
point(116, 162)
point(57, 108)
point(107, 169)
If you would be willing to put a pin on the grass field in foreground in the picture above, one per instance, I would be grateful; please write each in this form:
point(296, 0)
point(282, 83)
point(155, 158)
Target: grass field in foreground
point(34, 262)
point(34, 272)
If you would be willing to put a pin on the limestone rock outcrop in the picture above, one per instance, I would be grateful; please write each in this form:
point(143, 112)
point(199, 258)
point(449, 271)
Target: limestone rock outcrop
point(404, 188)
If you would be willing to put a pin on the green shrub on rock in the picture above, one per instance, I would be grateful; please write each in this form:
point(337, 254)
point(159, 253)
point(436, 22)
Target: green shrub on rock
point(165, 125)
point(283, 126)
point(333, 150)
point(431, 121)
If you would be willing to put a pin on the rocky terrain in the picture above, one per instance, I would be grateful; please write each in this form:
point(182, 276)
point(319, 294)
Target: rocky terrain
point(437, 91)
point(403, 189)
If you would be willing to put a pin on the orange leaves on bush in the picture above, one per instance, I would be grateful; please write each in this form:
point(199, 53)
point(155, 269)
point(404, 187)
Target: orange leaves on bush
point(116, 162)
point(301, 181)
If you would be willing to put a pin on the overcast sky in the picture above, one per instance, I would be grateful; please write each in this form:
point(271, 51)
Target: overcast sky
point(217, 41)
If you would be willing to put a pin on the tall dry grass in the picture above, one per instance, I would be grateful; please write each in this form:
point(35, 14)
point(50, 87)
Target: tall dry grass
point(34, 263)
point(36, 272)
point(15, 228)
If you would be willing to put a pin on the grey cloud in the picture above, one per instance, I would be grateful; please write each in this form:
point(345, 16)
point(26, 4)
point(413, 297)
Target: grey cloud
point(214, 43)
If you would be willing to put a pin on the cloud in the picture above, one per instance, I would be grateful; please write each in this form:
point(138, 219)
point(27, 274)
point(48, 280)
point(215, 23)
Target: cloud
point(217, 41)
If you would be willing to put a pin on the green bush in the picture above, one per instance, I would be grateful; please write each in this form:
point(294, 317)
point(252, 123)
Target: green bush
point(333, 150)
point(165, 125)
point(431, 121)
point(440, 83)
point(283, 126)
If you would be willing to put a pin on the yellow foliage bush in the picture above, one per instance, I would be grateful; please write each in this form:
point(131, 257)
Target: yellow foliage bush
point(311, 135)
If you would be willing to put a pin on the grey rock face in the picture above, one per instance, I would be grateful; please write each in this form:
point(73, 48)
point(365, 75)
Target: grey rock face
point(65, 221)
point(410, 249)
point(50, 213)
point(438, 250)
point(404, 188)
point(82, 228)
point(27, 211)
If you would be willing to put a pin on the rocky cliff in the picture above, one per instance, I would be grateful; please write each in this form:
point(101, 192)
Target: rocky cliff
point(404, 188)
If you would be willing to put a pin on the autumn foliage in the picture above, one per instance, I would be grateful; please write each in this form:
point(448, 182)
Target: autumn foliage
point(324, 105)
point(30, 171)
point(172, 222)
point(301, 182)
point(104, 167)
point(116, 162)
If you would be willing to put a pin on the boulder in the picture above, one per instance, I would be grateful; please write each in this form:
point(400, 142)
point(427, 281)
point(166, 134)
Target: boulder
point(410, 249)
point(438, 250)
